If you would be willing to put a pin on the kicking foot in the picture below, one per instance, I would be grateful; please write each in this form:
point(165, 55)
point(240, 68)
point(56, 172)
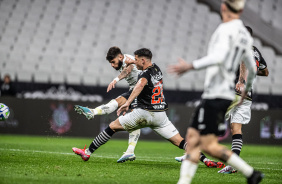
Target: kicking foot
point(81, 152)
point(126, 156)
point(85, 111)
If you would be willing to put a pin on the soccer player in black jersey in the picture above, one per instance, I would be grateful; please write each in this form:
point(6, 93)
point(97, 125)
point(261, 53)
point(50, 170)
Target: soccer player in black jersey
point(149, 111)
point(241, 115)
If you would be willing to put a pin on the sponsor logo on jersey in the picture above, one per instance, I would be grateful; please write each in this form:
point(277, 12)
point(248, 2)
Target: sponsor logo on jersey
point(158, 106)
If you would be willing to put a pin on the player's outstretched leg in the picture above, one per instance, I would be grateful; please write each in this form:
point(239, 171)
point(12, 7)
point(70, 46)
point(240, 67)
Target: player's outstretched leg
point(100, 110)
point(100, 139)
point(132, 141)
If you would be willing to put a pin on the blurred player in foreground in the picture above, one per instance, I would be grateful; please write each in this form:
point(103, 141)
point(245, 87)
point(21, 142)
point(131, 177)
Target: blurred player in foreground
point(148, 112)
point(241, 115)
point(229, 45)
point(130, 73)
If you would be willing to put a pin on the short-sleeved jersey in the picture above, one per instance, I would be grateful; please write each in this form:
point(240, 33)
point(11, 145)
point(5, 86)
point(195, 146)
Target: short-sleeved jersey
point(229, 45)
point(152, 97)
point(261, 65)
point(132, 77)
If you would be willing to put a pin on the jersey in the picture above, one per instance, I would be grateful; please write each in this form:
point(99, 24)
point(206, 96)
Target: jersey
point(260, 64)
point(229, 45)
point(132, 77)
point(152, 97)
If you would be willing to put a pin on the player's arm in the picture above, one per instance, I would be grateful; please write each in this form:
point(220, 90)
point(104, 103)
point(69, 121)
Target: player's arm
point(242, 78)
point(252, 70)
point(124, 73)
point(136, 91)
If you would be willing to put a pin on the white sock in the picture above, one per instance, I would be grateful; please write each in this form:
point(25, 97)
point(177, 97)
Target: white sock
point(206, 159)
point(132, 141)
point(87, 152)
point(187, 171)
point(106, 108)
point(239, 164)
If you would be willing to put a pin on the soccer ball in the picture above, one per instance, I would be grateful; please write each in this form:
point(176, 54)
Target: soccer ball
point(4, 112)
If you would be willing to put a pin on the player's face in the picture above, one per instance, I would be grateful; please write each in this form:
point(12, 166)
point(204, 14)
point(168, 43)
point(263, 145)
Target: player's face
point(116, 62)
point(139, 62)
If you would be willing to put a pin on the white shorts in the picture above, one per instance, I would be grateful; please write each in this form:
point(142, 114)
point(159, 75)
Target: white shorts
point(239, 114)
point(140, 118)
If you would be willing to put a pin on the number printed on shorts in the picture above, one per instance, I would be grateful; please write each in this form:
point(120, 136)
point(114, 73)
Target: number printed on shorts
point(201, 115)
point(157, 97)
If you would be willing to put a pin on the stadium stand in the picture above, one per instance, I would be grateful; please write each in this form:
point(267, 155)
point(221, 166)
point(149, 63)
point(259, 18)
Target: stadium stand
point(65, 41)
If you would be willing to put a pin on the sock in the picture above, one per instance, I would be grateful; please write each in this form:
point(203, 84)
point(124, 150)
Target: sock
point(237, 143)
point(132, 141)
point(187, 171)
point(106, 108)
point(239, 164)
point(101, 139)
point(203, 157)
point(182, 144)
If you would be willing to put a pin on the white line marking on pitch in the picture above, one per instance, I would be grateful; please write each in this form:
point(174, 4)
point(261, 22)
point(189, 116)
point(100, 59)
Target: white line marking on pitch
point(139, 158)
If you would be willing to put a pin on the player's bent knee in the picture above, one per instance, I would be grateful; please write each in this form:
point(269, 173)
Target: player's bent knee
point(116, 126)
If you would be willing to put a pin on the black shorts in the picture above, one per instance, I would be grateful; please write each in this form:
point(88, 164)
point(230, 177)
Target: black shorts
point(209, 116)
point(126, 95)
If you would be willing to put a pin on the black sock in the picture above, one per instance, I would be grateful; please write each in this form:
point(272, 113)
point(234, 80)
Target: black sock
point(237, 143)
point(101, 139)
point(182, 144)
point(202, 157)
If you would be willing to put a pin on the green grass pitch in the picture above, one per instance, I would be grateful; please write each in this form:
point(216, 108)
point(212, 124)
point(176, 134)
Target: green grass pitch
point(31, 159)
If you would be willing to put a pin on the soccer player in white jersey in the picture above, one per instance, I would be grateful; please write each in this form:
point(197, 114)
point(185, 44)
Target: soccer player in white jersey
point(148, 112)
point(130, 73)
point(241, 115)
point(229, 45)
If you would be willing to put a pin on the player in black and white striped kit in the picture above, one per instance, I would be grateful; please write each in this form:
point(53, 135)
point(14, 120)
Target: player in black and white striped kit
point(129, 73)
point(241, 115)
point(149, 111)
point(229, 45)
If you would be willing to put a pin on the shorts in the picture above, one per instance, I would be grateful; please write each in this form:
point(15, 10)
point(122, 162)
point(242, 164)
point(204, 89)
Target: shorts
point(126, 95)
point(158, 121)
point(239, 114)
point(209, 116)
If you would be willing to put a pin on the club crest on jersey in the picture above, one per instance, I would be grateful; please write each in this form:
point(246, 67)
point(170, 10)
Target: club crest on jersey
point(157, 76)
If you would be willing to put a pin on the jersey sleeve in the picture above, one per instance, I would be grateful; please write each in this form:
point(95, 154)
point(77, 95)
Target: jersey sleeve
point(220, 46)
point(251, 66)
point(145, 75)
point(262, 63)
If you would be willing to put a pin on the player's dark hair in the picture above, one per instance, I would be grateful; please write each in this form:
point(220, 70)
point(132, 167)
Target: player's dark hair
point(144, 52)
point(250, 30)
point(112, 53)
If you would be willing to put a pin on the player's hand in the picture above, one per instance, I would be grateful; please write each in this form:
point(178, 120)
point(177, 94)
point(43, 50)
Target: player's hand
point(180, 68)
point(129, 61)
point(111, 85)
point(124, 108)
point(239, 87)
point(243, 96)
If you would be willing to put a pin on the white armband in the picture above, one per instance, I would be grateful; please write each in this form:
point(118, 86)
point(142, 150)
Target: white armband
point(116, 79)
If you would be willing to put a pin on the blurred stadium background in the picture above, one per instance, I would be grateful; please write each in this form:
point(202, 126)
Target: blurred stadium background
point(55, 49)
